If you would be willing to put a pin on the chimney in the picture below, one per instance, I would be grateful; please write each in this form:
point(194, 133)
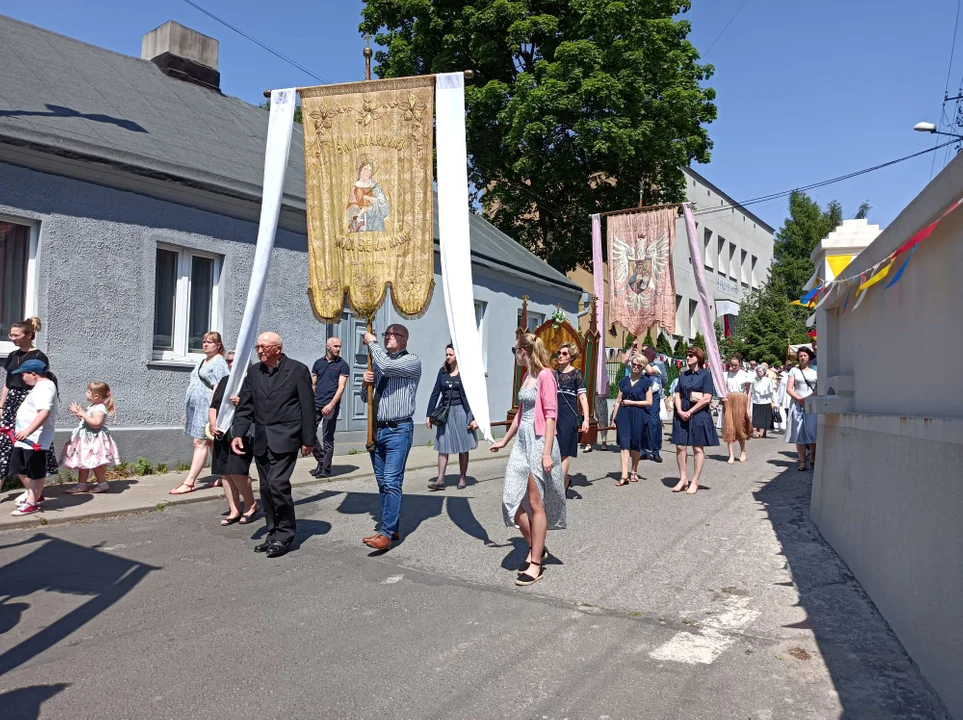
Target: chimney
point(183, 53)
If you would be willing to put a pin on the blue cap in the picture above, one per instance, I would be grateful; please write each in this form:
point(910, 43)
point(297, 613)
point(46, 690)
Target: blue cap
point(32, 366)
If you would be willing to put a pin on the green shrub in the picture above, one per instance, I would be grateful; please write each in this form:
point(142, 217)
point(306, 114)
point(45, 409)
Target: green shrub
point(10, 483)
point(182, 466)
point(143, 466)
point(160, 468)
point(122, 469)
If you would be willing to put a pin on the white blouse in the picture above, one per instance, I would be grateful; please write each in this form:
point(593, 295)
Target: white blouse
point(736, 381)
point(799, 378)
point(762, 391)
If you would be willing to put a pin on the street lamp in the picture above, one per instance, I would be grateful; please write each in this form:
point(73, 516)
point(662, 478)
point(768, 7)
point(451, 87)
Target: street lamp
point(929, 127)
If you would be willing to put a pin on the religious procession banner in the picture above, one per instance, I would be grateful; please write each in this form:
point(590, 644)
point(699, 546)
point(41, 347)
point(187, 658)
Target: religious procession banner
point(368, 155)
point(641, 276)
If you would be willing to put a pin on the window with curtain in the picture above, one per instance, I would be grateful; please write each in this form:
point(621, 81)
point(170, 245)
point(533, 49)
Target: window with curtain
point(186, 294)
point(14, 258)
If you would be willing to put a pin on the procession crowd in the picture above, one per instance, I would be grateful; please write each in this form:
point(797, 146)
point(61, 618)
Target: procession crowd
point(284, 409)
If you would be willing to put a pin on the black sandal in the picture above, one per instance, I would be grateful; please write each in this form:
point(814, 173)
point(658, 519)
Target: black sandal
point(248, 518)
point(622, 481)
point(524, 566)
point(524, 580)
point(230, 520)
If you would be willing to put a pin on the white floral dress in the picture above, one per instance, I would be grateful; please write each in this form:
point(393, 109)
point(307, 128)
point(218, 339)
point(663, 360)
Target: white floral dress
point(526, 458)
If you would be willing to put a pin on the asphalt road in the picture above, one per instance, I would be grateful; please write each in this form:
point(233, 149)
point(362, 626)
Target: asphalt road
point(727, 604)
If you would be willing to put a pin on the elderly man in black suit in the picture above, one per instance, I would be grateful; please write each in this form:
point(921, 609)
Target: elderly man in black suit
point(276, 396)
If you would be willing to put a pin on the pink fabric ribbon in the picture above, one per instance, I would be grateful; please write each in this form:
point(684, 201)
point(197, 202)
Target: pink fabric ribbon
point(705, 308)
point(598, 276)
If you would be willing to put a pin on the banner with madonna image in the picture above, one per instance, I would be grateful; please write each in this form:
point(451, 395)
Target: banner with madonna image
point(368, 151)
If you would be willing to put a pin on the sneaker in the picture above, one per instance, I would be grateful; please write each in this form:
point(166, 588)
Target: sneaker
point(26, 509)
point(22, 498)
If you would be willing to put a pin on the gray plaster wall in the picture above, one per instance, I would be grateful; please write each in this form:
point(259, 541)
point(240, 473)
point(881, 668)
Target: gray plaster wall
point(96, 261)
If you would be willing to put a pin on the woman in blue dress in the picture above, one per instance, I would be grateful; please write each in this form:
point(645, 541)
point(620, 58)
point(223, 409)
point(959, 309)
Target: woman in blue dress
point(631, 417)
point(692, 425)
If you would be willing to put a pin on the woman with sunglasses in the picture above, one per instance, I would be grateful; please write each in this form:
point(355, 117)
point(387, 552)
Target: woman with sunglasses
point(533, 499)
point(692, 424)
point(632, 428)
point(572, 406)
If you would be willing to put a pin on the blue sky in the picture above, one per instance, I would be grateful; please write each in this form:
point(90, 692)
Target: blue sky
point(806, 90)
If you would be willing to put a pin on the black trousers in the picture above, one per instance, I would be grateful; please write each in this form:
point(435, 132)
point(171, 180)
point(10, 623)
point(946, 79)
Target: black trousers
point(274, 471)
point(324, 440)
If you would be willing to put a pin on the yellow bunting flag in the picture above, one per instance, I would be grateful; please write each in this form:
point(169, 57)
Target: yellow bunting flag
point(876, 278)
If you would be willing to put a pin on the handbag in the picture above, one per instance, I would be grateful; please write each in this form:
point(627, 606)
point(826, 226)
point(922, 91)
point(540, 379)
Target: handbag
point(776, 414)
point(439, 416)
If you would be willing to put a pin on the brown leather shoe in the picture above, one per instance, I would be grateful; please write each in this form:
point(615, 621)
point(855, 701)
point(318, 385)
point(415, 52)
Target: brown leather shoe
point(395, 537)
point(378, 542)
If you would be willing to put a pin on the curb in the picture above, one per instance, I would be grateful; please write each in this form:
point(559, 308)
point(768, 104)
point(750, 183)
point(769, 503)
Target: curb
point(34, 522)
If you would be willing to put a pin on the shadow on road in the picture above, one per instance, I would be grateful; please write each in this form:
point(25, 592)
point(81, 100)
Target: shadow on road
point(869, 668)
point(55, 565)
point(24, 703)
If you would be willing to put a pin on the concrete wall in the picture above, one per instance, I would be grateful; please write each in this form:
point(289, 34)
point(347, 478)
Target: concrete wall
point(739, 229)
point(886, 493)
point(96, 297)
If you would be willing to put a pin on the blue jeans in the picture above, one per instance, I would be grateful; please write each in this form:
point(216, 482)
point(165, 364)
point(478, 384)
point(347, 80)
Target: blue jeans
point(388, 459)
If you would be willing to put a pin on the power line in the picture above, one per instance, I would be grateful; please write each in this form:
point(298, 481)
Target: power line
point(257, 42)
point(946, 85)
point(744, 2)
point(824, 183)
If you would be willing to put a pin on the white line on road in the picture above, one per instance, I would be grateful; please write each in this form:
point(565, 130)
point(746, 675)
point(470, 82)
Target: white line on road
point(392, 580)
point(711, 639)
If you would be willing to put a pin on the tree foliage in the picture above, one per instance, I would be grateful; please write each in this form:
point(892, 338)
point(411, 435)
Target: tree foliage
point(806, 225)
point(266, 105)
point(663, 345)
point(767, 322)
point(577, 105)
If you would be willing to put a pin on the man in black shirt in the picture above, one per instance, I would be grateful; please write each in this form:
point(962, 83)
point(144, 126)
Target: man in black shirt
point(329, 377)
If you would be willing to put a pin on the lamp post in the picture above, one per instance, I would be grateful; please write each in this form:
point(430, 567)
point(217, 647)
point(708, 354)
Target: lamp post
point(929, 127)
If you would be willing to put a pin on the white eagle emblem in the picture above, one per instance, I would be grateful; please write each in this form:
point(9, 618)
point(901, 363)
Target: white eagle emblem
point(639, 266)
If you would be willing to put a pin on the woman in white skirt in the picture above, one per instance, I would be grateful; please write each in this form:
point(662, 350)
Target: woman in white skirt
point(456, 434)
point(801, 428)
point(533, 498)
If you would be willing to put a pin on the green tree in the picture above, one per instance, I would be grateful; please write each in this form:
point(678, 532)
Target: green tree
point(648, 339)
point(699, 341)
point(806, 225)
point(576, 106)
point(767, 322)
point(266, 105)
point(662, 345)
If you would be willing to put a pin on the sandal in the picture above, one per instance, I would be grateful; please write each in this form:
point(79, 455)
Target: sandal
point(248, 517)
point(524, 579)
point(801, 467)
point(78, 489)
point(436, 487)
point(524, 566)
point(178, 491)
point(634, 478)
point(100, 488)
point(462, 485)
point(229, 520)
point(622, 482)
point(681, 486)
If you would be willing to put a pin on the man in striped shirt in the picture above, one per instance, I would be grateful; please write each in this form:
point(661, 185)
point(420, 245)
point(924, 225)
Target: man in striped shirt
point(395, 379)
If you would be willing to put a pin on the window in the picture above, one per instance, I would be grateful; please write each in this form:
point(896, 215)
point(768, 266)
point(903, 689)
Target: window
point(681, 320)
point(186, 301)
point(534, 320)
point(707, 254)
point(733, 268)
point(480, 308)
point(18, 289)
point(744, 267)
point(722, 256)
point(694, 323)
point(753, 277)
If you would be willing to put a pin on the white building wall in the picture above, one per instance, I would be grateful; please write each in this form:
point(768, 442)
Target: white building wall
point(886, 492)
point(739, 255)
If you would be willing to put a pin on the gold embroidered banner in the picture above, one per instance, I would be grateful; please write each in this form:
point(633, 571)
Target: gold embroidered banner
point(368, 153)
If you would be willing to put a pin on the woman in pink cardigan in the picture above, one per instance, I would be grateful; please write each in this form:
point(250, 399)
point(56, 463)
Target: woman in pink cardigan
point(533, 499)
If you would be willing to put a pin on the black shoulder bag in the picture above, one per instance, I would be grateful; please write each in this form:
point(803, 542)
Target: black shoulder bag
point(439, 416)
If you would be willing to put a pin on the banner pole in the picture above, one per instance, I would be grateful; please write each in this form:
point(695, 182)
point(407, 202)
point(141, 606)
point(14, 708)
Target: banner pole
point(372, 411)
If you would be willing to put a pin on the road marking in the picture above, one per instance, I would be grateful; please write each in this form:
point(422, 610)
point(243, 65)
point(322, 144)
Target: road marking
point(712, 638)
point(392, 580)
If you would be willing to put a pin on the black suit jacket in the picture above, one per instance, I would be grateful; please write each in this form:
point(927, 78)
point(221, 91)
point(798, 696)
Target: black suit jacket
point(282, 411)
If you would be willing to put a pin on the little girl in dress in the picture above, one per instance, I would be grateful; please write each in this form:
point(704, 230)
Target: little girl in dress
point(91, 447)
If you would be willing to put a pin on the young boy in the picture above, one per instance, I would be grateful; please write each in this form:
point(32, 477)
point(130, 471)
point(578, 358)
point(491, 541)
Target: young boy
point(34, 433)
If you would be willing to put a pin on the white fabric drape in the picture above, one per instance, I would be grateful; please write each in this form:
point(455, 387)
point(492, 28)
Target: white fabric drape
point(456, 277)
point(280, 126)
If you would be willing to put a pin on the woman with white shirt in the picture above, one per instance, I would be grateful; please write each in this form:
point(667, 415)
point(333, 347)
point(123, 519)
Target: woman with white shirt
point(802, 425)
point(735, 422)
point(762, 394)
point(781, 402)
